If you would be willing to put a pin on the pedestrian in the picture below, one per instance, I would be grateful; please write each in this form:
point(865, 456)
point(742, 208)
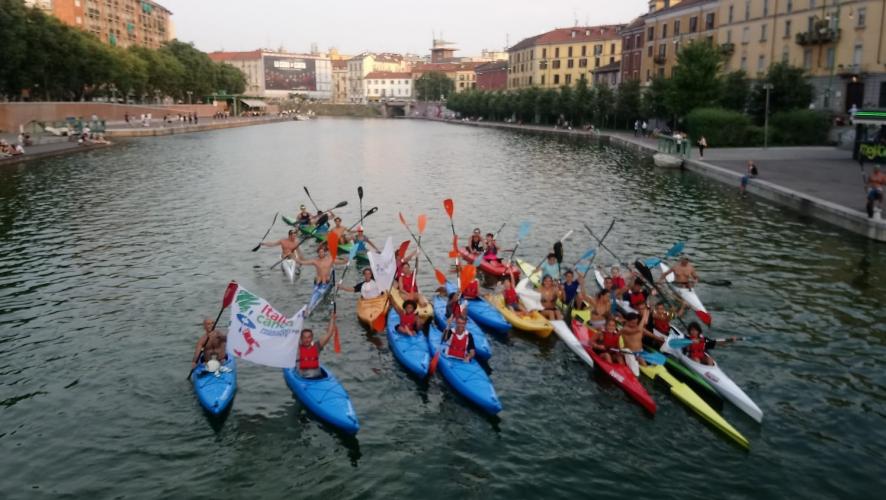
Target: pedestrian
point(702, 143)
point(876, 181)
point(751, 173)
point(636, 128)
point(126, 118)
point(644, 128)
point(196, 118)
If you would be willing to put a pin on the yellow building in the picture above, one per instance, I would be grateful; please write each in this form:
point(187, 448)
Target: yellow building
point(362, 64)
point(671, 25)
point(840, 43)
point(121, 22)
point(462, 74)
point(563, 56)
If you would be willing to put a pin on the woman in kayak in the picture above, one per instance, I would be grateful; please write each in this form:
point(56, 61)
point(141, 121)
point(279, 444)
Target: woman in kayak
point(608, 342)
point(368, 288)
point(491, 251)
point(475, 244)
point(698, 349)
point(461, 342)
point(410, 323)
point(549, 295)
point(309, 350)
point(408, 285)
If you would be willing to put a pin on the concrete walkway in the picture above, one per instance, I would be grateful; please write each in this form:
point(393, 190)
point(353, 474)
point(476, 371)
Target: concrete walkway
point(121, 129)
point(49, 149)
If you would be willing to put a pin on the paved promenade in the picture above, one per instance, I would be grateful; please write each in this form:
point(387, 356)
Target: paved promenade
point(135, 129)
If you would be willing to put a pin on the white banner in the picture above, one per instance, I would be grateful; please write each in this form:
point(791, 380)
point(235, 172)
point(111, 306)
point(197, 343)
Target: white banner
point(260, 334)
point(383, 265)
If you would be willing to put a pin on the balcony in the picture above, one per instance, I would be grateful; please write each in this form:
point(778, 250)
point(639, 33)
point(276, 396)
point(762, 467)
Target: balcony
point(659, 59)
point(727, 48)
point(820, 34)
point(848, 70)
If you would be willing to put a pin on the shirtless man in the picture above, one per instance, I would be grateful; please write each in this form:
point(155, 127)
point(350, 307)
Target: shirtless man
point(211, 344)
point(875, 194)
point(632, 332)
point(287, 245)
point(684, 274)
point(340, 230)
point(322, 264)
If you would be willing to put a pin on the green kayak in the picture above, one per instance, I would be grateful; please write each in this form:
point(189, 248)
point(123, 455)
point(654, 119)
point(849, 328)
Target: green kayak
point(308, 230)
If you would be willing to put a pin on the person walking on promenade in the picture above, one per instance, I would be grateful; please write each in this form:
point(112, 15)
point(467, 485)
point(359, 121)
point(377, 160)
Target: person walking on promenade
point(636, 128)
point(876, 181)
point(644, 127)
point(751, 172)
point(702, 143)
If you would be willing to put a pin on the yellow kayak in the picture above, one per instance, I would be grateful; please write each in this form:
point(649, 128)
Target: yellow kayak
point(531, 271)
point(369, 309)
point(424, 312)
point(533, 322)
point(686, 395)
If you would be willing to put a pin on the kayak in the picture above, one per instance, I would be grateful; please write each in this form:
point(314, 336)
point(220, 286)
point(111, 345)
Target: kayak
point(290, 268)
point(532, 322)
point(620, 374)
point(369, 309)
point(491, 267)
point(688, 397)
point(529, 298)
point(562, 330)
point(215, 392)
point(694, 380)
point(321, 291)
point(531, 272)
point(320, 235)
point(467, 378)
point(410, 350)
point(715, 376)
point(425, 312)
point(325, 397)
point(483, 313)
point(688, 295)
point(623, 305)
point(481, 342)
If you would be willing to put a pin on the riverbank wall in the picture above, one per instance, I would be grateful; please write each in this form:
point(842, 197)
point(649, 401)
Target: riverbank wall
point(353, 110)
point(121, 130)
point(799, 201)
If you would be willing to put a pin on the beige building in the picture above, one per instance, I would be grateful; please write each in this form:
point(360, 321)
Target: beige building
point(339, 81)
point(463, 74)
point(361, 65)
point(840, 43)
point(563, 56)
point(118, 22)
point(671, 25)
point(381, 85)
point(272, 74)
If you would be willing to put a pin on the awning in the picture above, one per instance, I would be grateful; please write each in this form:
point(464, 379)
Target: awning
point(869, 117)
point(254, 103)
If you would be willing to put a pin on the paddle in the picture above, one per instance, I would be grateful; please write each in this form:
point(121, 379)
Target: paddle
point(441, 278)
point(558, 253)
point(422, 223)
point(449, 206)
point(655, 358)
point(378, 323)
point(495, 235)
point(674, 251)
point(681, 343)
point(525, 226)
point(312, 199)
point(360, 196)
point(351, 255)
point(227, 298)
point(322, 220)
point(560, 241)
point(266, 233)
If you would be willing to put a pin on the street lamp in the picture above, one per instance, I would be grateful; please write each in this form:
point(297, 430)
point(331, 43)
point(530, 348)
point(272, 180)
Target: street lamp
point(190, 93)
point(767, 87)
point(113, 89)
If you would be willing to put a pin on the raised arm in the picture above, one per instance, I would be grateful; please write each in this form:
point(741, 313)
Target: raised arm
point(330, 331)
point(269, 244)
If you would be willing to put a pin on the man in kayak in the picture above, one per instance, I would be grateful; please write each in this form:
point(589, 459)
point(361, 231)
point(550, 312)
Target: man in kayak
point(698, 349)
point(322, 264)
point(368, 288)
point(309, 351)
point(601, 309)
point(341, 231)
point(362, 242)
point(461, 342)
point(684, 273)
point(550, 267)
point(287, 245)
point(632, 332)
point(636, 296)
point(410, 323)
point(212, 345)
point(304, 217)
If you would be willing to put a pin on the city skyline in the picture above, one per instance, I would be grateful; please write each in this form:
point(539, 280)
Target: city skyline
point(392, 26)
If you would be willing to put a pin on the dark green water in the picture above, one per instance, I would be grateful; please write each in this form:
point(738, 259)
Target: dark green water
point(110, 259)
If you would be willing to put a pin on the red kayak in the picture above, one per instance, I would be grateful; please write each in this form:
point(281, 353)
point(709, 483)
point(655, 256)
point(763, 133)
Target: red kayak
point(491, 267)
point(620, 374)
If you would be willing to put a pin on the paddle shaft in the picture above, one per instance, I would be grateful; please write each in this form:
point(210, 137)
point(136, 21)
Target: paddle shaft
point(591, 262)
point(310, 198)
point(538, 266)
point(266, 233)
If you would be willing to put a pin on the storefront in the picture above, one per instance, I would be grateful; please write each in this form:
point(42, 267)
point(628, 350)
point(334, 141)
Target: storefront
point(870, 135)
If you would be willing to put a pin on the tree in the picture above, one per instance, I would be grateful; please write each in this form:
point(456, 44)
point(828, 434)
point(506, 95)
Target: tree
point(627, 103)
point(525, 106)
point(433, 86)
point(654, 103)
point(545, 102)
point(602, 104)
point(582, 100)
point(790, 90)
point(564, 104)
point(230, 78)
point(695, 79)
point(735, 91)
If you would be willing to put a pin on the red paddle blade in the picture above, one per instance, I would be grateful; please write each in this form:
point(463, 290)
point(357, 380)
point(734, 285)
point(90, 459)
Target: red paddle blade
point(332, 243)
point(379, 323)
point(468, 273)
point(402, 219)
point(432, 368)
point(704, 317)
point(447, 204)
point(336, 342)
point(402, 250)
point(441, 278)
point(422, 222)
point(230, 292)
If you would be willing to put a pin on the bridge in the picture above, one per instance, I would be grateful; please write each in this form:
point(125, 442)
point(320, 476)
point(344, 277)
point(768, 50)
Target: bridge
point(393, 108)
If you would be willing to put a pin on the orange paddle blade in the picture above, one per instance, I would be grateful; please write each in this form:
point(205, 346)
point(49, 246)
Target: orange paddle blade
point(402, 219)
point(332, 243)
point(422, 222)
point(379, 323)
point(336, 342)
point(401, 252)
point(441, 278)
point(432, 368)
point(447, 204)
point(230, 292)
point(704, 317)
point(468, 273)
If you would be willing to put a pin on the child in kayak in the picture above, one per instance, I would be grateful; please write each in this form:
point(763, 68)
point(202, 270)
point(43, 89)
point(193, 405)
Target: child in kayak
point(698, 349)
point(461, 342)
point(408, 285)
point(308, 363)
point(549, 295)
point(410, 323)
point(608, 342)
point(551, 267)
point(569, 288)
point(660, 320)
point(491, 251)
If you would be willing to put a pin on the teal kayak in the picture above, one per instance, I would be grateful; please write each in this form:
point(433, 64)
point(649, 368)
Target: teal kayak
point(325, 397)
point(467, 378)
point(410, 350)
point(215, 391)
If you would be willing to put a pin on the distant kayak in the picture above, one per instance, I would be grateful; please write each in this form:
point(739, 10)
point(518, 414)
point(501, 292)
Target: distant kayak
point(466, 378)
point(290, 268)
point(325, 397)
point(532, 322)
point(215, 392)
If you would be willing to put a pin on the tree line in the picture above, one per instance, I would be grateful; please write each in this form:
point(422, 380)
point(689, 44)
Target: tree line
point(44, 59)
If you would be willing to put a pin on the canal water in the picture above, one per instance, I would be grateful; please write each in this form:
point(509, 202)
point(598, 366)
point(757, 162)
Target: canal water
point(110, 259)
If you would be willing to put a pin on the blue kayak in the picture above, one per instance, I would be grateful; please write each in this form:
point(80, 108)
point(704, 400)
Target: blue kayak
point(484, 314)
point(410, 351)
point(481, 343)
point(321, 290)
point(468, 379)
point(325, 397)
point(215, 392)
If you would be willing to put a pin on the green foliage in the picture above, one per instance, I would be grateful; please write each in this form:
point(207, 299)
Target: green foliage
point(602, 106)
point(654, 101)
point(695, 81)
point(736, 90)
point(54, 61)
point(433, 86)
point(720, 127)
point(791, 90)
point(627, 103)
point(800, 127)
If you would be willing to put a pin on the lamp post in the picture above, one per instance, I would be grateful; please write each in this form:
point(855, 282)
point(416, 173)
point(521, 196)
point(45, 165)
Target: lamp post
point(113, 89)
point(768, 87)
point(190, 93)
point(834, 41)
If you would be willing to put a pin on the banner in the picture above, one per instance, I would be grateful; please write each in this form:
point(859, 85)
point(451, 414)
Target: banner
point(260, 334)
point(383, 265)
point(289, 73)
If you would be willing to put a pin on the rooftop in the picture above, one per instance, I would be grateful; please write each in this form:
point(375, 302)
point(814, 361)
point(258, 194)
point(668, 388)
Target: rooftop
point(576, 34)
point(491, 66)
point(378, 75)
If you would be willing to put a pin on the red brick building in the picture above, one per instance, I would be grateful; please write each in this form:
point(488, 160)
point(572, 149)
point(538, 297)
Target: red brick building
point(632, 49)
point(492, 75)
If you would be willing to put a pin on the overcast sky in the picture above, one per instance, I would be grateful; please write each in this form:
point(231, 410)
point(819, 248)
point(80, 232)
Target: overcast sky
point(383, 25)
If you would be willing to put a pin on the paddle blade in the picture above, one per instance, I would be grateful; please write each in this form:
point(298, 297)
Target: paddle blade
point(230, 292)
point(478, 260)
point(324, 218)
point(255, 249)
point(587, 255)
point(652, 262)
point(450, 208)
point(402, 250)
point(422, 223)
point(306, 191)
point(340, 204)
point(360, 192)
point(402, 219)
point(675, 250)
point(353, 252)
point(644, 272)
point(523, 232)
point(370, 212)
point(336, 341)
point(432, 368)
point(653, 358)
point(378, 324)
point(582, 268)
point(454, 252)
point(441, 278)
point(679, 343)
point(332, 244)
point(468, 273)
point(704, 317)
point(558, 251)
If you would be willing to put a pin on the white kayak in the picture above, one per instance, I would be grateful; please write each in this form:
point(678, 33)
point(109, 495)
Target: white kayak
point(289, 267)
point(565, 333)
point(687, 294)
point(529, 298)
point(715, 376)
point(624, 305)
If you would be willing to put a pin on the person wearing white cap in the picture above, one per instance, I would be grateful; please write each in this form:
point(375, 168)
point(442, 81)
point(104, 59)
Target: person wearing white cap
point(362, 241)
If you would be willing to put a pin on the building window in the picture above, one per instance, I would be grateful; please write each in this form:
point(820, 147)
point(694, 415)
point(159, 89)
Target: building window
point(544, 53)
point(611, 59)
point(650, 33)
point(744, 63)
point(830, 58)
point(810, 23)
point(664, 31)
point(649, 51)
point(807, 58)
point(765, 8)
point(542, 79)
point(530, 79)
point(570, 63)
point(785, 54)
point(676, 47)
point(584, 50)
point(693, 24)
point(677, 27)
point(745, 34)
point(568, 79)
point(612, 48)
point(761, 63)
point(598, 49)
point(542, 64)
point(728, 36)
point(790, 6)
point(583, 63)
point(862, 17)
point(764, 31)
point(569, 52)
point(662, 50)
point(557, 52)
point(709, 21)
point(556, 79)
point(596, 62)
point(856, 55)
point(555, 64)
point(811, 4)
point(787, 28)
point(637, 42)
point(731, 13)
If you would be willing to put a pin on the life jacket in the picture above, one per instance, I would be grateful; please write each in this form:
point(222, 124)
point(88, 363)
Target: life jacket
point(308, 356)
point(610, 339)
point(408, 284)
point(408, 320)
point(570, 289)
point(458, 348)
point(696, 350)
point(618, 283)
point(511, 296)
point(662, 325)
point(491, 251)
point(454, 310)
point(476, 246)
point(636, 298)
point(472, 291)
